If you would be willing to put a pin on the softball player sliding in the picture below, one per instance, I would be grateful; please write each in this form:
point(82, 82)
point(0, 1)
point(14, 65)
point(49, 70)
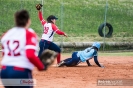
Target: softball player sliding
point(50, 28)
point(82, 56)
point(19, 46)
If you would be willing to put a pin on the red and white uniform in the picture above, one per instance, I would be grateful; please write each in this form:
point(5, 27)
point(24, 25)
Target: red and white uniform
point(19, 49)
point(49, 29)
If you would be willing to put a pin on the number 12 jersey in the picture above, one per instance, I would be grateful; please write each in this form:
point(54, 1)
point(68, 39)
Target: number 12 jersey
point(15, 43)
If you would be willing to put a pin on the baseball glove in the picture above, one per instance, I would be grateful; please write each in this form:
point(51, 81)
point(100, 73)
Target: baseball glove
point(48, 57)
point(39, 6)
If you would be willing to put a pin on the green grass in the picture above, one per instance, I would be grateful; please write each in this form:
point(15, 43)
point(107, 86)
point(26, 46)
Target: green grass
point(108, 54)
point(117, 54)
point(81, 18)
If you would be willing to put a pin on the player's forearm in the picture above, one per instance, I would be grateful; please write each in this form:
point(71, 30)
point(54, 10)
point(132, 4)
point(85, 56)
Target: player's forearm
point(88, 63)
point(56, 30)
point(30, 53)
point(60, 32)
point(40, 15)
point(96, 61)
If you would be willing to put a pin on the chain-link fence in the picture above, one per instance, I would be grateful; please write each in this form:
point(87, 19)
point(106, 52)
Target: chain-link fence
point(80, 19)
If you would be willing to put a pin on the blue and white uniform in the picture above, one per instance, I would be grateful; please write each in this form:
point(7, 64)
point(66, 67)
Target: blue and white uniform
point(82, 56)
point(87, 54)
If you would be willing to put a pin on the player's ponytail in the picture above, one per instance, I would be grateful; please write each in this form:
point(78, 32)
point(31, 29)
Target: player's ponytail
point(49, 20)
point(21, 18)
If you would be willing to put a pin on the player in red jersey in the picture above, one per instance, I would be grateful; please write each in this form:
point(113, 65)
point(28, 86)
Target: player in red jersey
point(19, 46)
point(50, 29)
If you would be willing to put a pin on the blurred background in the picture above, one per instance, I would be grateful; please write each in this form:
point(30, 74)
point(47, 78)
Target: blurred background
point(80, 19)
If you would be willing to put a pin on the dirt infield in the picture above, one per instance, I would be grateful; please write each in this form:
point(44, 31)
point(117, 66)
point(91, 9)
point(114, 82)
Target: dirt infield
point(116, 67)
point(82, 76)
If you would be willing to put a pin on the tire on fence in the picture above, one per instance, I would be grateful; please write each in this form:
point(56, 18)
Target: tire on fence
point(101, 28)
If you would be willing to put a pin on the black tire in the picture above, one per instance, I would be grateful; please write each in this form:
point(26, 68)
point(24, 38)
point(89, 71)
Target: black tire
point(101, 27)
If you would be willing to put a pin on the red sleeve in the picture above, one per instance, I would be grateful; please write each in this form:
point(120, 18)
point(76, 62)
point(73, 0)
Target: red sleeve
point(30, 53)
point(31, 48)
point(41, 17)
point(55, 28)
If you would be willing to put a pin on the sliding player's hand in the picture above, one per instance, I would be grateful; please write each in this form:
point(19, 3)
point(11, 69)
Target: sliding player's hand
point(102, 66)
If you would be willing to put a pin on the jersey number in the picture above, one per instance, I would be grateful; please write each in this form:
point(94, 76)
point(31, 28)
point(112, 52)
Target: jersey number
point(13, 52)
point(46, 30)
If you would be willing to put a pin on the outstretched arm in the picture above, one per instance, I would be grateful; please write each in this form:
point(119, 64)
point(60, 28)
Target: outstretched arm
point(96, 61)
point(59, 32)
point(30, 53)
point(41, 17)
point(31, 49)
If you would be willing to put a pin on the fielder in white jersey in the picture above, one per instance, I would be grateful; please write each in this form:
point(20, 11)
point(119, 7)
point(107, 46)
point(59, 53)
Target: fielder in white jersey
point(49, 29)
point(19, 46)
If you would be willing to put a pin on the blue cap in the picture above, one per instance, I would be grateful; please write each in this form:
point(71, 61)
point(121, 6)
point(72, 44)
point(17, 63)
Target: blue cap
point(97, 44)
point(52, 17)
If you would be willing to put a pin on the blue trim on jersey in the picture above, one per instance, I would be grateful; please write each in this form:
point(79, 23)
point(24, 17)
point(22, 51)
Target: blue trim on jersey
point(51, 34)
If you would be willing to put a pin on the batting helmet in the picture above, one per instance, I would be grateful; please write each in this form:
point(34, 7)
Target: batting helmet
point(96, 44)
